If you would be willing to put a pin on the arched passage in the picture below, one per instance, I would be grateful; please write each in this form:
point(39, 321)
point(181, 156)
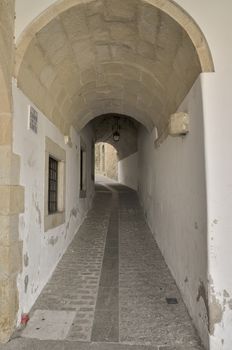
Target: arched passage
point(104, 127)
point(83, 59)
point(126, 145)
point(106, 161)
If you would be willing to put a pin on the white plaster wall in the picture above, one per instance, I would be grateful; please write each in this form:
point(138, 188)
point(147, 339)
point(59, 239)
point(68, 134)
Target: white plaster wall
point(173, 193)
point(128, 171)
point(218, 121)
point(214, 17)
point(41, 250)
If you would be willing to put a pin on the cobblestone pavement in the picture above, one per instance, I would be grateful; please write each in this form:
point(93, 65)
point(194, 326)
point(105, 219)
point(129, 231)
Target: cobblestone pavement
point(114, 278)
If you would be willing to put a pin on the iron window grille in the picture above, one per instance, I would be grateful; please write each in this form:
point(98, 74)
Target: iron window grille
point(82, 170)
point(52, 186)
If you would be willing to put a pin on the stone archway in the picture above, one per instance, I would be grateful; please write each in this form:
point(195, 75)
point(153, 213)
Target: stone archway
point(167, 6)
point(117, 152)
point(11, 194)
point(121, 57)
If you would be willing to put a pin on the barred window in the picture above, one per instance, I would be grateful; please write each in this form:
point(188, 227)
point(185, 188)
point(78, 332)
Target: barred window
point(83, 171)
point(52, 185)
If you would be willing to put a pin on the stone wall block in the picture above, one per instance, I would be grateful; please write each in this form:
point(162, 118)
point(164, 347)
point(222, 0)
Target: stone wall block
point(119, 10)
point(5, 128)
point(9, 229)
point(11, 200)
point(8, 306)
point(10, 166)
point(4, 98)
point(10, 259)
point(11, 197)
point(179, 124)
point(8, 286)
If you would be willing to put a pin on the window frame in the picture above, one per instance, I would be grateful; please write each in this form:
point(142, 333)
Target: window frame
point(54, 219)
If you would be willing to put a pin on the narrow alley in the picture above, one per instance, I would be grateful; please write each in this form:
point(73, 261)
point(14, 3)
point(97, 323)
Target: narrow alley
point(139, 92)
point(111, 288)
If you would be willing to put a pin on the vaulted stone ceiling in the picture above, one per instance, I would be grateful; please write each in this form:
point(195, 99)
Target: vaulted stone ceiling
point(109, 56)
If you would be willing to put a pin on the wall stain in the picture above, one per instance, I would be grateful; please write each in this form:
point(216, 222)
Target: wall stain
point(217, 308)
point(37, 208)
point(226, 294)
point(196, 226)
point(34, 289)
point(216, 313)
point(52, 241)
point(226, 301)
point(202, 294)
point(31, 160)
point(73, 213)
point(26, 259)
point(186, 279)
point(26, 281)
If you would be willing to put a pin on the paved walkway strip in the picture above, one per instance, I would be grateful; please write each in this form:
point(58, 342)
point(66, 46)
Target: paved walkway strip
point(106, 320)
point(74, 284)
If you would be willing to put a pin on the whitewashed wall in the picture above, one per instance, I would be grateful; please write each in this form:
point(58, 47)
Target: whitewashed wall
point(128, 171)
point(173, 194)
point(214, 18)
point(42, 251)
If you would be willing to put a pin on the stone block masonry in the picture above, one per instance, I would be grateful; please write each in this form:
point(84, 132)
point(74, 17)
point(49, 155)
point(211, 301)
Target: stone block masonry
point(11, 193)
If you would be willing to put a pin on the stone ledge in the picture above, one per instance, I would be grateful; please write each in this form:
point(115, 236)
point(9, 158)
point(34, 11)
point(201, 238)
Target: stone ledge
point(54, 220)
point(178, 124)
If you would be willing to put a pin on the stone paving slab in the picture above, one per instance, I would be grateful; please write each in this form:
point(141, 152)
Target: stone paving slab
point(49, 325)
point(106, 319)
